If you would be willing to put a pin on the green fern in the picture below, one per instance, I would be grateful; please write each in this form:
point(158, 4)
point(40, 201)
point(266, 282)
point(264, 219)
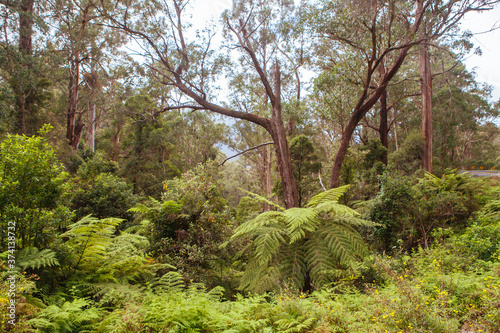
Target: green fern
point(171, 282)
point(263, 200)
point(33, 258)
point(314, 241)
point(75, 316)
point(91, 237)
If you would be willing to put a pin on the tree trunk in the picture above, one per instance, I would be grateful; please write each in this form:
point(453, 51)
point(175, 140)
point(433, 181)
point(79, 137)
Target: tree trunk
point(22, 89)
point(73, 87)
point(394, 127)
point(278, 134)
point(383, 128)
point(91, 125)
point(26, 26)
point(426, 87)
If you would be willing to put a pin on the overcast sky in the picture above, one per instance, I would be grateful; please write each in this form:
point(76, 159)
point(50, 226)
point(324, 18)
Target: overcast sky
point(486, 66)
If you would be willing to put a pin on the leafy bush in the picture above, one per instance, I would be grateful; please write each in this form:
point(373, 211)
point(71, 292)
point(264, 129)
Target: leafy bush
point(408, 158)
point(409, 212)
point(31, 183)
point(188, 225)
point(104, 196)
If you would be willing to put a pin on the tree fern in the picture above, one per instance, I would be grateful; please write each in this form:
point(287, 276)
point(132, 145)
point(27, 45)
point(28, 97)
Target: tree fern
point(298, 243)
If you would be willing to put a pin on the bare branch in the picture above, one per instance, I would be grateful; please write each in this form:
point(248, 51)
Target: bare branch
point(246, 150)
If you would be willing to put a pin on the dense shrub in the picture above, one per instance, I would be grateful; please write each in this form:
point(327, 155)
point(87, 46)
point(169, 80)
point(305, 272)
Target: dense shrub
point(409, 209)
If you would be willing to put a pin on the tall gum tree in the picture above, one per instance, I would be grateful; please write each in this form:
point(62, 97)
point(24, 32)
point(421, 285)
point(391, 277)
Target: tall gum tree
point(379, 31)
point(20, 62)
point(86, 43)
point(159, 28)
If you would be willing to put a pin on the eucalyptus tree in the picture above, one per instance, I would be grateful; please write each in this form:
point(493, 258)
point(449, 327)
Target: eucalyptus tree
point(86, 44)
point(374, 33)
point(191, 67)
point(21, 63)
point(460, 107)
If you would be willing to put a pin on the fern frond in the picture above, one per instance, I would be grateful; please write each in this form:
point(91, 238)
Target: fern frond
point(262, 199)
point(298, 324)
point(171, 282)
point(294, 265)
point(91, 237)
point(319, 259)
point(262, 220)
point(333, 194)
point(335, 209)
point(258, 278)
point(344, 243)
point(300, 220)
point(31, 257)
point(70, 317)
point(268, 243)
point(140, 208)
point(112, 292)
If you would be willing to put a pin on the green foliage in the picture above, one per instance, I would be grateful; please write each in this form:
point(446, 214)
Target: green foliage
point(95, 166)
point(375, 153)
point(410, 212)
point(90, 238)
point(29, 172)
point(482, 239)
point(246, 207)
point(31, 183)
point(305, 164)
point(188, 225)
point(31, 257)
point(408, 158)
point(102, 195)
point(297, 244)
point(75, 316)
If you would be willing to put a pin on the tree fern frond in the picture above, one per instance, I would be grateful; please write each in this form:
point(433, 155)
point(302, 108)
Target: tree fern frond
point(268, 243)
point(31, 257)
point(112, 292)
point(216, 294)
point(356, 221)
point(317, 240)
point(91, 237)
point(335, 209)
point(345, 244)
point(432, 177)
point(294, 265)
point(258, 277)
point(262, 199)
point(300, 220)
point(333, 194)
point(262, 220)
point(319, 260)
